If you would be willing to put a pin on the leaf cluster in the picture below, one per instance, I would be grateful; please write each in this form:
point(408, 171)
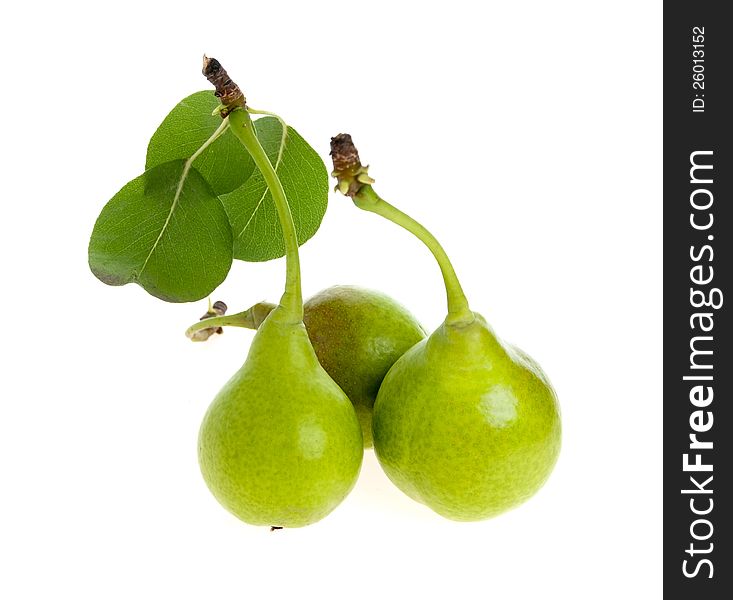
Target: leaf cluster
point(201, 203)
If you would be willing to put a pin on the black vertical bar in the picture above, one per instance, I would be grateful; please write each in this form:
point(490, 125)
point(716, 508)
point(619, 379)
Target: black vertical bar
point(698, 67)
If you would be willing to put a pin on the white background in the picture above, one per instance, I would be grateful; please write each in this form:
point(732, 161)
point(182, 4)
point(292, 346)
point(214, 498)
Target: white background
point(526, 135)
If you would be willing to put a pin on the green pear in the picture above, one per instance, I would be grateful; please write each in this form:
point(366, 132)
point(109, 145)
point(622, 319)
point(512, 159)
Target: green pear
point(280, 445)
point(466, 424)
point(463, 422)
point(358, 335)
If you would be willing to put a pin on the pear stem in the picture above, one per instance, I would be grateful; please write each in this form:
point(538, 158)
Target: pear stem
point(458, 310)
point(249, 319)
point(292, 299)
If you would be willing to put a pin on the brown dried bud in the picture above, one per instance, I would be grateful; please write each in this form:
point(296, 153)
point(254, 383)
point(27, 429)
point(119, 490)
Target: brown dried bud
point(226, 90)
point(344, 153)
point(347, 167)
point(217, 309)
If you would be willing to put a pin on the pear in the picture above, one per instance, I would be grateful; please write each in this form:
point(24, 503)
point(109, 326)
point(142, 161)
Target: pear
point(463, 422)
point(467, 424)
point(357, 335)
point(280, 444)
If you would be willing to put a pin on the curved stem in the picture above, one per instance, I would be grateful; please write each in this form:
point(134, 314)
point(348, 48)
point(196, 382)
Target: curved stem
point(249, 319)
point(458, 309)
point(292, 299)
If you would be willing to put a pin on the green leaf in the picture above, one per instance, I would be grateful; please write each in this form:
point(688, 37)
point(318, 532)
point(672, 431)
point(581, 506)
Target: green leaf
point(255, 225)
point(224, 164)
point(165, 230)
